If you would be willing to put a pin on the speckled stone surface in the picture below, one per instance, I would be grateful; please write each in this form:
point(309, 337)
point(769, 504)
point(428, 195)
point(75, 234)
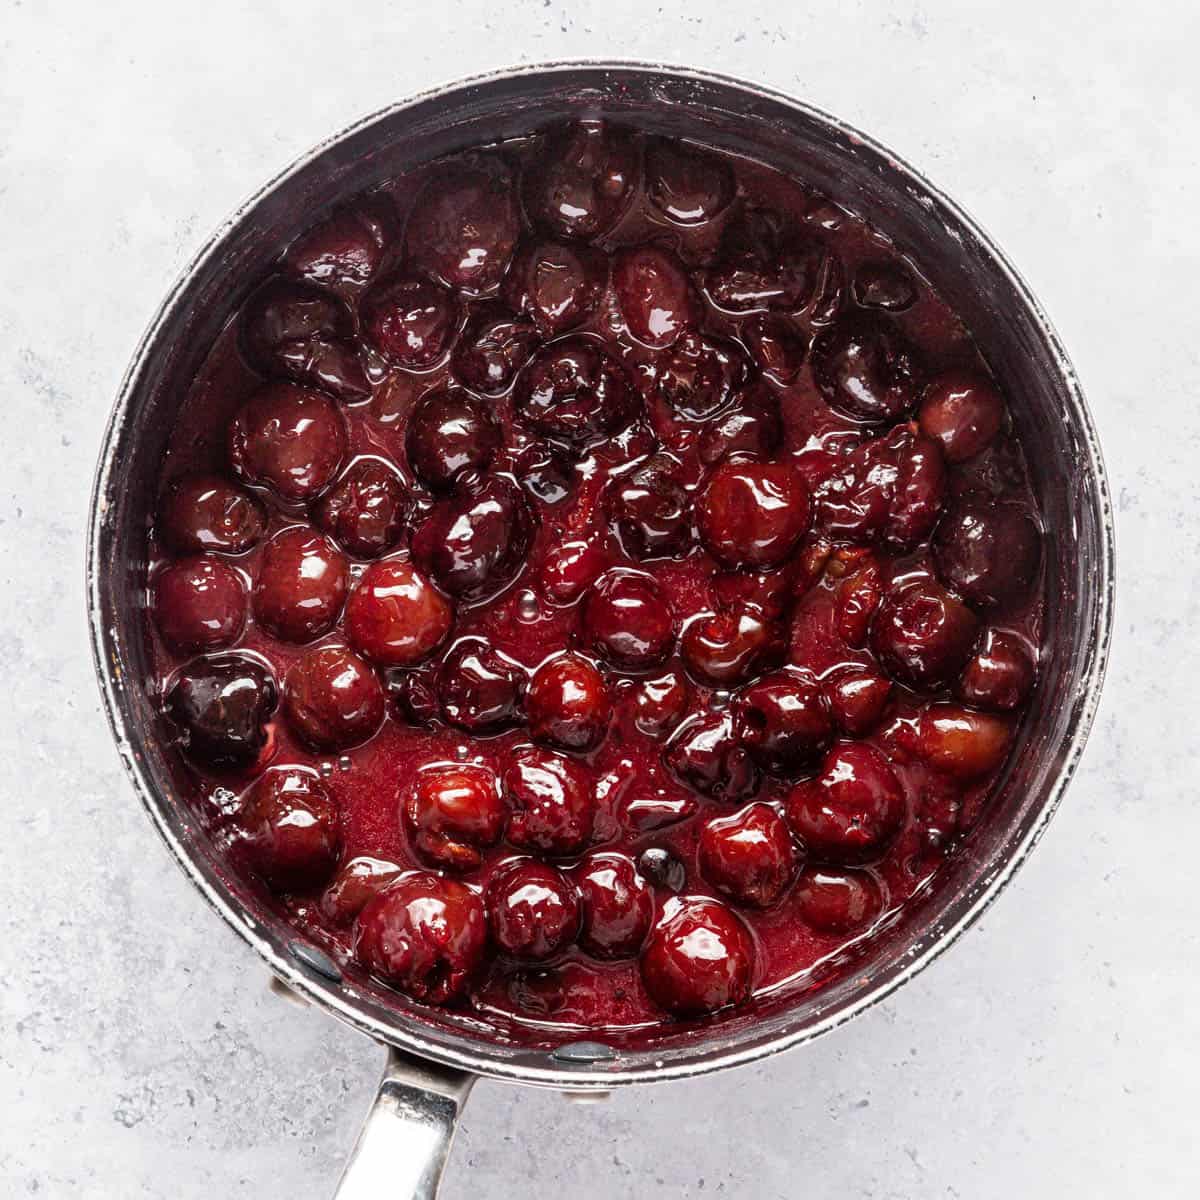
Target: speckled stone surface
point(1056, 1048)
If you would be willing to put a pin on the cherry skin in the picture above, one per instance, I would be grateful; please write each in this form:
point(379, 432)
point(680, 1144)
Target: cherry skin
point(785, 722)
point(1000, 674)
point(650, 510)
point(751, 428)
point(568, 705)
point(553, 807)
point(727, 648)
point(748, 856)
point(655, 295)
point(777, 346)
point(852, 811)
point(570, 569)
point(662, 869)
point(660, 704)
point(617, 905)
point(479, 689)
point(858, 599)
point(202, 513)
point(686, 185)
point(332, 698)
point(302, 584)
point(449, 433)
point(864, 367)
point(395, 617)
point(366, 511)
point(355, 884)
point(857, 700)
point(556, 284)
point(962, 743)
point(962, 412)
point(453, 812)
point(410, 321)
point(221, 706)
point(289, 439)
point(837, 901)
point(344, 251)
point(884, 285)
point(922, 635)
point(546, 472)
point(706, 753)
point(494, 346)
point(699, 375)
point(699, 959)
point(988, 553)
point(533, 909)
point(762, 265)
point(424, 935)
point(290, 833)
point(753, 514)
point(627, 622)
point(199, 603)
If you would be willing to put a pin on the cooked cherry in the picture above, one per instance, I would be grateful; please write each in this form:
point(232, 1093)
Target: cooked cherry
point(1000, 673)
point(767, 592)
point(662, 869)
point(699, 375)
point(199, 603)
point(574, 391)
point(221, 706)
point(302, 583)
point(205, 512)
point(366, 511)
point(962, 743)
point(289, 827)
point(627, 622)
point(464, 225)
point(533, 909)
point(545, 472)
point(424, 935)
point(753, 514)
point(395, 616)
point(686, 185)
point(858, 599)
point(833, 901)
point(345, 250)
point(650, 509)
point(923, 635)
point(865, 368)
point(655, 295)
point(777, 346)
point(408, 320)
point(751, 428)
point(556, 284)
point(289, 439)
point(480, 690)
point(851, 812)
point(748, 856)
point(617, 906)
point(707, 754)
point(727, 648)
point(332, 698)
point(785, 721)
point(474, 543)
point(760, 265)
point(857, 699)
point(962, 412)
point(355, 884)
point(552, 802)
point(699, 959)
point(452, 813)
point(988, 553)
point(449, 433)
point(494, 346)
point(570, 569)
point(884, 285)
point(414, 694)
point(568, 704)
point(660, 704)
point(578, 185)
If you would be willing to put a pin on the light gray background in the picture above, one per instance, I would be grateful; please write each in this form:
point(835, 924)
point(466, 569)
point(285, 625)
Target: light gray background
point(1056, 1049)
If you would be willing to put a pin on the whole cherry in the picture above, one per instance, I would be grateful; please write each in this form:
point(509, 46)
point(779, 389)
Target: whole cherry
point(448, 433)
point(650, 509)
point(289, 829)
point(616, 905)
point(533, 909)
point(552, 803)
point(221, 706)
point(655, 295)
point(568, 705)
point(785, 721)
point(493, 347)
point(556, 284)
point(724, 649)
point(962, 411)
point(367, 509)
point(395, 617)
point(479, 689)
point(751, 427)
point(410, 321)
point(706, 753)
point(453, 812)
point(922, 635)
point(989, 553)
point(833, 900)
point(332, 698)
point(687, 185)
point(199, 603)
point(753, 514)
point(748, 856)
point(963, 743)
point(1000, 674)
point(201, 513)
point(627, 622)
point(864, 367)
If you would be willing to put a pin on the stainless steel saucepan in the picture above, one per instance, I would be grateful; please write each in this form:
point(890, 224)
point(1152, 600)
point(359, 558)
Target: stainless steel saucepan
point(432, 1062)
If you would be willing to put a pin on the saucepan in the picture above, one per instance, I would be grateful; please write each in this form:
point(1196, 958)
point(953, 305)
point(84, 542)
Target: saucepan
point(432, 1062)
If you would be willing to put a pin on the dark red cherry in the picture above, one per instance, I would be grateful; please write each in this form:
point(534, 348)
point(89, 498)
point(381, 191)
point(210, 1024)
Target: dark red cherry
point(568, 704)
point(865, 368)
point(395, 617)
point(553, 807)
point(479, 689)
point(650, 510)
point(494, 346)
point(707, 754)
point(762, 264)
point(424, 935)
point(662, 869)
point(616, 904)
point(332, 698)
point(221, 706)
point(923, 635)
point(367, 510)
point(290, 833)
point(449, 433)
point(344, 251)
point(1000, 674)
point(474, 543)
point(699, 375)
point(685, 184)
point(533, 909)
point(453, 812)
point(836, 901)
point(777, 345)
point(546, 472)
point(962, 412)
point(857, 699)
point(570, 569)
point(556, 284)
point(785, 721)
point(199, 513)
point(726, 648)
point(748, 856)
point(655, 295)
point(751, 428)
point(884, 285)
point(962, 743)
point(660, 704)
point(627, 622)
point(464, 225)
point(851, 812)
point(753, 514)
point(858, 599)
point(410, 321)
point(579, 183)
point(199, 603)
point(700, 958)
point(302, 584)
point(989, 553)
point(289, 439)
point(573, 391)
point(766, 592)
point(414, 695)
point(356, 883)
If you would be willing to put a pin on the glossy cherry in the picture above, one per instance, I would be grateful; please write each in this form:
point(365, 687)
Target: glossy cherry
point(857, 700)
point(479, 689)
point(923, 635)
point(627, 622)
point(533, 909)
point(650, 509)
point(556, 284)
point(655, 295)
point(199, 603)
point(885, 285)
point(201, 513)
point(989, 553)
point(724, 649)
point(616, 905)
point(777, 346)
point(1000, 674)
point(830, 900)
point(962, 411)
point(221, 706)
point(367, 510)
point(752, 427)
point(661, 703)
point(546, 472)
point(687, 185)
point(753, 514)
point(448, 433)
point(865, 368)
point(493, 347)
point(301, 586)
point(569, 706)
point(699, 375)
point(332, 698)
point(453, 812)
point(707, 754)
point(289, 829)
point(748, 856)
point(762, 264)
point(552, 803)
point(395, 617)
point(345, 250)
point(355, 884)
point(409, 320)
point(569, 570)
point(662, 869)
point(963, 743)
point(785, 721)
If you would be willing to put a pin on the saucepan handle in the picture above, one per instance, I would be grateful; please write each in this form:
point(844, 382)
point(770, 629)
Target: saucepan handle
point(405, 1141)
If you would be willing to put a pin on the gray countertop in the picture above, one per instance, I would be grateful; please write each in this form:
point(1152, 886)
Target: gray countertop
point(1057, 1046)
